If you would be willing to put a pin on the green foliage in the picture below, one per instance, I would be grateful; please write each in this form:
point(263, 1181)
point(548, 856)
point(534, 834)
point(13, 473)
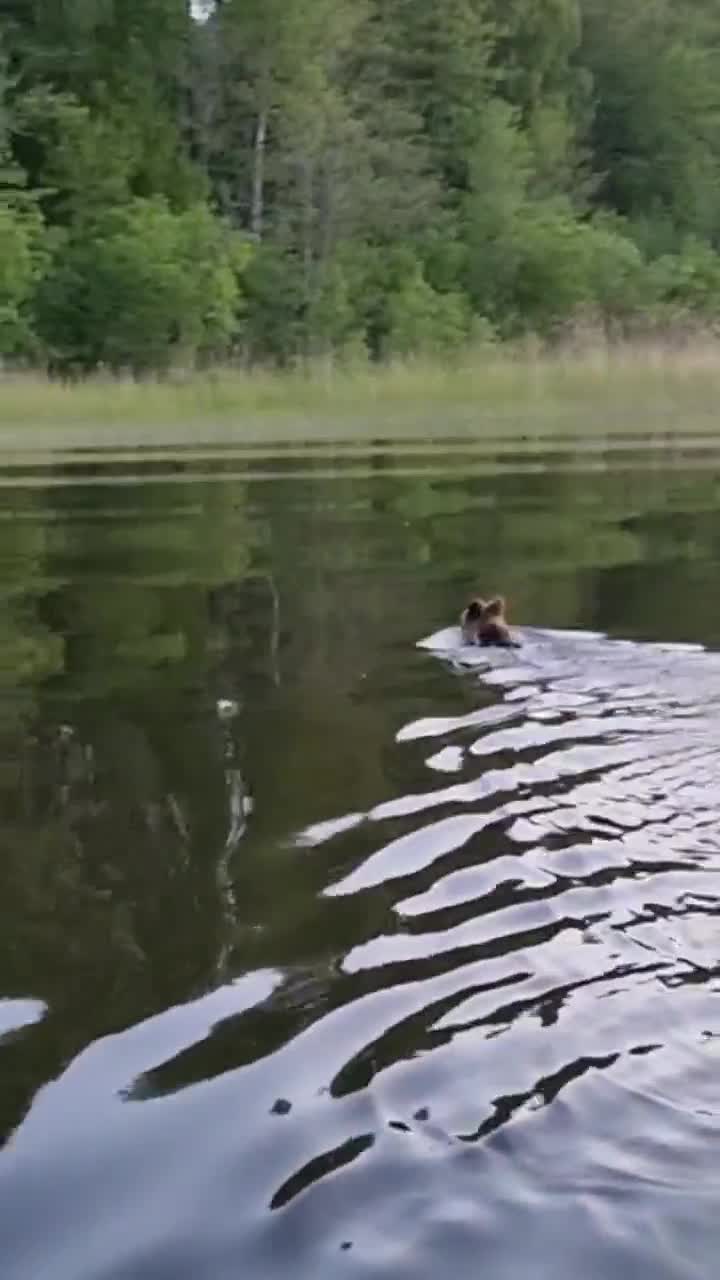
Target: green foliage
point(537, 41)
point(82, 161)
point(655, 130)
point(146, 287)
point(440, 57)
point(333, 322)
point(12, 178)
point(565, 265)
point(21, 262)
point(273, 296)
point(87, 159)
point(618, 277)
point(406, 172)
point(421, 320)
point(500, 172)
point(689, 279)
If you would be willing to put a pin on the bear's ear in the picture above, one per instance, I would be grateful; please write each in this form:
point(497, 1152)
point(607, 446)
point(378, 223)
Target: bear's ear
point(475, 610)
point(495, 607)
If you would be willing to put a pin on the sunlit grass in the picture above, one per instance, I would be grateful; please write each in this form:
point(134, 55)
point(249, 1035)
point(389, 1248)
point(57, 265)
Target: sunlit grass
point(631, 389)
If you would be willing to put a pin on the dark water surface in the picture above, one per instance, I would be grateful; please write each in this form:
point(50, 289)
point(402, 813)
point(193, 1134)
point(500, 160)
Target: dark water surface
point(327, 953)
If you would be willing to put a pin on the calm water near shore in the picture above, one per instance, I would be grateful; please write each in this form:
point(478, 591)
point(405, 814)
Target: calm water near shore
point(328, 948)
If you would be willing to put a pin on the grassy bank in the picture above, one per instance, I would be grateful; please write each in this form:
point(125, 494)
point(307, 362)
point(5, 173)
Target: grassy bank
point(631, 390)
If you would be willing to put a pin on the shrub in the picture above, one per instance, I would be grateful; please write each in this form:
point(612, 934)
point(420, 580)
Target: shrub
point(146, 286)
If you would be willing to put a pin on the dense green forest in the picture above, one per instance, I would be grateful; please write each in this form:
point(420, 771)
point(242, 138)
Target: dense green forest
point(274, 180)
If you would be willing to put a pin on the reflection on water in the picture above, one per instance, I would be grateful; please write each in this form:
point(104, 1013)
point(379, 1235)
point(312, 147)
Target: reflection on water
point(327, 948)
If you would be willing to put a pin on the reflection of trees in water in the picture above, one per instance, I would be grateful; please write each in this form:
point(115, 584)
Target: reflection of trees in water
point(359, 572)
point(129, 611)
point(118, 873)
point(123, 794)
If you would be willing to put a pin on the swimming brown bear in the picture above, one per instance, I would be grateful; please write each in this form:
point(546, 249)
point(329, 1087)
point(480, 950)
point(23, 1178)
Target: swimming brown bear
point(483, 622)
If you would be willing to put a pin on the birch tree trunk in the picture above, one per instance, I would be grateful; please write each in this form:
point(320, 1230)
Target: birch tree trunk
point(257, 203)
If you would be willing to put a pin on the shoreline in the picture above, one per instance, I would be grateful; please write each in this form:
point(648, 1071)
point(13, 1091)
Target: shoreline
point(645, 392)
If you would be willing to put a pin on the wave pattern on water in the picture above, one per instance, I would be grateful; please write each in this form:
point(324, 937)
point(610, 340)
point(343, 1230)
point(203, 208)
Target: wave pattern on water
point(553, 913)
point(476, 1026)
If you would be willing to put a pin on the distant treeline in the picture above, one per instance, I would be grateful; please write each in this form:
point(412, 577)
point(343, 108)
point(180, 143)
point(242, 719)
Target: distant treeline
point(274, 180)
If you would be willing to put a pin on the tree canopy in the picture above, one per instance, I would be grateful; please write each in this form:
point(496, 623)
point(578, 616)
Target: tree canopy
point(270, 181)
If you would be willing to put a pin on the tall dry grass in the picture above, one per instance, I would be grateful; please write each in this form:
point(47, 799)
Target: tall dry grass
point(579, 386)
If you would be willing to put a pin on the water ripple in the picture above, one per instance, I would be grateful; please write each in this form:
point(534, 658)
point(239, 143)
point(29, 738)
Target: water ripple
point(514, 1036)
point(554, 925)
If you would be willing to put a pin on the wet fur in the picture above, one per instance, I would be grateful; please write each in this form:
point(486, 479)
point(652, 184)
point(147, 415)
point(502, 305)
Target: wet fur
point(483, 622)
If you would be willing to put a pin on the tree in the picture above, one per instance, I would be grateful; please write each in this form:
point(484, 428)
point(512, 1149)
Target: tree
point(440, 59)
point(123, 60)
point(147, 286)
point(407, 173)
point(656, 128)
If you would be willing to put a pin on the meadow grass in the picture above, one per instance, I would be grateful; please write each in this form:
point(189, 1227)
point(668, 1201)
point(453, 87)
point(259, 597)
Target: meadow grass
point(637, 390)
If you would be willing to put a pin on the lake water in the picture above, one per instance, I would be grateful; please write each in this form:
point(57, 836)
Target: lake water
point(328, 948)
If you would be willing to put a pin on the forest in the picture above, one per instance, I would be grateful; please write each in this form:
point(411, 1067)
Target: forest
point(272, 181)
